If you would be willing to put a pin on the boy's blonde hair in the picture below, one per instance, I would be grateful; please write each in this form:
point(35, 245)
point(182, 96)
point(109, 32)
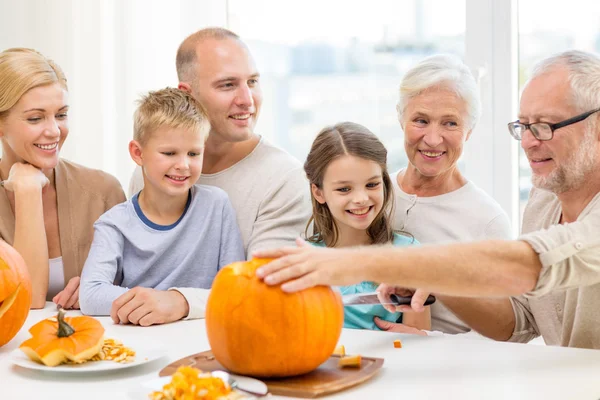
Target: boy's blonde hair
point(168, 107)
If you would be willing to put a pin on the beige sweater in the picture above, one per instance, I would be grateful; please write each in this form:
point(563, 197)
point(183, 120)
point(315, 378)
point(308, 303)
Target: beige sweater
point(269, 192)
point(564, 307)
point(82, 195)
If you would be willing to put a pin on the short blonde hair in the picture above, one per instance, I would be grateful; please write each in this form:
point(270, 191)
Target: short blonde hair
point(168, 107)
point(22, 70)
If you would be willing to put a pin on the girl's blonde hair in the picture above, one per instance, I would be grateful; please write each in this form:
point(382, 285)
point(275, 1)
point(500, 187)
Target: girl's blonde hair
point(22, 70)
point(347, 138)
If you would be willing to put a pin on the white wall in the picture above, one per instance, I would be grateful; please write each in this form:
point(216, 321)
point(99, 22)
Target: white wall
point(111, 51)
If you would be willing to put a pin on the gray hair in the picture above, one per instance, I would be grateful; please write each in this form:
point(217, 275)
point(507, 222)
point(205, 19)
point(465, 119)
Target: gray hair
point(443, 70)
point(584, 76)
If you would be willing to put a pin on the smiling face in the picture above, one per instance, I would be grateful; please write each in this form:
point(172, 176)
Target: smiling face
point(563, 162)
point(226, 83)
point(36, 127)
point(353, 191)
point(171, 159)
point(435, 124)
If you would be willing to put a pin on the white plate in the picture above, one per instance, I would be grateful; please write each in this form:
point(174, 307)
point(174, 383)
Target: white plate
point(145, 352)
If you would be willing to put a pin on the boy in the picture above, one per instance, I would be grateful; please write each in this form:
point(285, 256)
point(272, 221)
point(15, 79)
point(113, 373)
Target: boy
point(173, 233)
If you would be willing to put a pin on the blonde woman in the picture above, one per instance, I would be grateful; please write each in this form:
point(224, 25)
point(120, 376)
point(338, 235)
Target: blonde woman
point(48, 205)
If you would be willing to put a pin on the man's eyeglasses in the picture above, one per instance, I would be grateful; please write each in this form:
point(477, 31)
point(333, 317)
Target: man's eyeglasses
point(543, 130)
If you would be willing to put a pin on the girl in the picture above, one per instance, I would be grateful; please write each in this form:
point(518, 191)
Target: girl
point(352, 199)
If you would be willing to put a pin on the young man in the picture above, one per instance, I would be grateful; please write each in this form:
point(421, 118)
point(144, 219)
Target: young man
point(173, 233)
point(553, 270)
point(266, 185)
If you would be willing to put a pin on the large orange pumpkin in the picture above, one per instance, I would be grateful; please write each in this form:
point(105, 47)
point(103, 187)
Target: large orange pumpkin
point(259, 330)
point(15, 292)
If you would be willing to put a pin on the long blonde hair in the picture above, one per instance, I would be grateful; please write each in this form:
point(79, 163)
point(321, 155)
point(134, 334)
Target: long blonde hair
point(22, 70)
point(347, 138)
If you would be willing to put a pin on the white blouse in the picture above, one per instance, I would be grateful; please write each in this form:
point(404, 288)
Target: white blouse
point(56, 278)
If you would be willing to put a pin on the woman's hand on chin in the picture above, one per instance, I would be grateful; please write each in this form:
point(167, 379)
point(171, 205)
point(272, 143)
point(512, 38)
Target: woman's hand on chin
point(23, 176)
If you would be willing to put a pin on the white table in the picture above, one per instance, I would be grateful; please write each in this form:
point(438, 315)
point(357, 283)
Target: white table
point(425, 368)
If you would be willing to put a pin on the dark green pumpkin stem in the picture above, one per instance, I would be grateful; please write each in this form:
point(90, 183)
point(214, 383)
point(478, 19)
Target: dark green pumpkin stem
point(64, 329)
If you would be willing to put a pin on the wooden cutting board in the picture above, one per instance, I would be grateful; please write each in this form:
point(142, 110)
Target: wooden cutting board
point(327, 379)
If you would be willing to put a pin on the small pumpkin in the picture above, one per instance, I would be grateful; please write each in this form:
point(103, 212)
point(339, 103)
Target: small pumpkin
point(15, 292)
point(259, 330)
point(55, 341)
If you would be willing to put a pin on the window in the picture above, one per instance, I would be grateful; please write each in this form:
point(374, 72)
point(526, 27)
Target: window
point(324, 62)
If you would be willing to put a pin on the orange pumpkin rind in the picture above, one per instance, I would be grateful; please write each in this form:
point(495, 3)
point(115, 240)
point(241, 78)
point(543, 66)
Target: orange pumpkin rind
point(15, 292)
point(46, 347)
point(259, 330)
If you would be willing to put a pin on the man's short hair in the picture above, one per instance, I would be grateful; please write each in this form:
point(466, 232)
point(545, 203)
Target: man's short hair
point(584, 76)
point(171, 108)
point(186, 54)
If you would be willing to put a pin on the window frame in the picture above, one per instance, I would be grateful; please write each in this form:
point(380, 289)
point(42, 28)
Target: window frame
point(491, 51)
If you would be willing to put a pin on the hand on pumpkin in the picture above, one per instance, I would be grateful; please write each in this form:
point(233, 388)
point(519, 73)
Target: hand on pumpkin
point(306, 266)
point(419, 296)
point(25, 176)
point(68, 298)
point(145, 307)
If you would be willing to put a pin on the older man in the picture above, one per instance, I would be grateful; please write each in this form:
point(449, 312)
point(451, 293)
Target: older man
point(552, 272)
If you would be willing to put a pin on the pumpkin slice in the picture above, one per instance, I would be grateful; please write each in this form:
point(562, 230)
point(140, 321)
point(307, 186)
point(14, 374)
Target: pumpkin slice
point(340, 350)
point(53, 342)
point(350, 361)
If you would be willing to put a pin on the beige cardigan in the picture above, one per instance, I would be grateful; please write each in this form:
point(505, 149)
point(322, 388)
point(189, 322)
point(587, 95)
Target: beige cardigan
point(82, 196)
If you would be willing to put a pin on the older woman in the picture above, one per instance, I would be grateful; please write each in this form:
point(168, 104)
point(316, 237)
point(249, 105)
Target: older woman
point(47, 205)
point(438, 108)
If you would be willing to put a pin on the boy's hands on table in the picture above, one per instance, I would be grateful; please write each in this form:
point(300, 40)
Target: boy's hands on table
point(145, 307)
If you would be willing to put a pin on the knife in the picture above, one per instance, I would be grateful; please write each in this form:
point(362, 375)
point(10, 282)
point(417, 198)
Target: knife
point(371, 298)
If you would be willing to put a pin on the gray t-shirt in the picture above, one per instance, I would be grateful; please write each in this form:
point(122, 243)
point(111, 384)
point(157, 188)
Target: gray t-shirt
point(129, 250)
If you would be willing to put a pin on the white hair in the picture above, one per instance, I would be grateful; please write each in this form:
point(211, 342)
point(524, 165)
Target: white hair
point(584, 76)
point(442, 70)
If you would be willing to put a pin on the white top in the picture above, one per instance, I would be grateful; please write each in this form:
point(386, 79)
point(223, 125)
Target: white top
point(56, 278)
point(269, 193)
point(444, 367)
point(464, 215)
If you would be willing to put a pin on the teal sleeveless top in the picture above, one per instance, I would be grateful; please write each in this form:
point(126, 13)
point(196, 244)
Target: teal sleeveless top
point(361, 316)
